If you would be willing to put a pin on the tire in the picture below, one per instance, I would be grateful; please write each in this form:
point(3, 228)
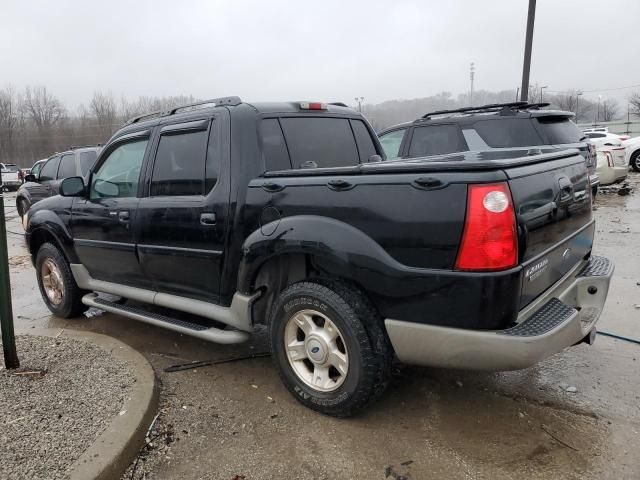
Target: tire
point(635, 161)
point(361, 347)
point(59, 291)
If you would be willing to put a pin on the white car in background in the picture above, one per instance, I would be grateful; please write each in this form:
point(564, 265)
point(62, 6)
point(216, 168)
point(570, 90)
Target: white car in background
point(632, 154)
point(611, 166)
point(10, 176)
point(611, 143)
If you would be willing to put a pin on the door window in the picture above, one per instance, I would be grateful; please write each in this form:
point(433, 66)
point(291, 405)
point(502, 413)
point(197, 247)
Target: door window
point(67, 166)
point(87, 159)
point(118, 176)
point(391, 143)
point(179, 168)
point(50, 169)
point(36, 169)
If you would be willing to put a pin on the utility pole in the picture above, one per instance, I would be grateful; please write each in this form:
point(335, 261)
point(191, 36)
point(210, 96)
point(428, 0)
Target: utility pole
point(6, 311)
point(359, 100)
point(526, 67)
point(517, 93)
point(595, 120)
point(472, 72)
point(577, 106)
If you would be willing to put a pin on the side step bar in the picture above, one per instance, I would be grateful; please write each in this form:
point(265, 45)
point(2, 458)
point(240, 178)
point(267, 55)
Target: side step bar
point(210, 334)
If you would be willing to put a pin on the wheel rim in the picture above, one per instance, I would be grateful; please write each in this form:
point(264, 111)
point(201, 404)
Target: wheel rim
point(316, 350)
point(52, 282)
point(636, 161)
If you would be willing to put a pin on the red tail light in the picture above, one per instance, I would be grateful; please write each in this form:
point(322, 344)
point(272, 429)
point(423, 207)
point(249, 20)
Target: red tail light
point(489, 240)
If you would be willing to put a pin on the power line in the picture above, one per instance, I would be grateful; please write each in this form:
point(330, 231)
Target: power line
point(596, 91)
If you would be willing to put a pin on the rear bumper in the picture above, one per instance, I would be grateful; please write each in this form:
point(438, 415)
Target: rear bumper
point(614, 174)
point(565, 314)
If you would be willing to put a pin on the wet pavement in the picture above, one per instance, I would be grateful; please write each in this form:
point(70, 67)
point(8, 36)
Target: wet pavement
point(236, 420)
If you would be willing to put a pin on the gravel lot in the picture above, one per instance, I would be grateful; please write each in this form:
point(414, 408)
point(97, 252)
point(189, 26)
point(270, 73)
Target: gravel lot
point(49, 419)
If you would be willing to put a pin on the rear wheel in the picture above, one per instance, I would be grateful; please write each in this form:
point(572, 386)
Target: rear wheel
point(59, 289)
point(635, 161)
point(330, 347)
point(22, 206)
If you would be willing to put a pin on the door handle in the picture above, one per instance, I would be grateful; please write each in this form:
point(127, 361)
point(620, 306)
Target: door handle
point(272, 187)
point(123, 217)
point(207, 219)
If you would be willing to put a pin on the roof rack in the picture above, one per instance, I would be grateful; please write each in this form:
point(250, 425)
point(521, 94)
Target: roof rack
point(74, 147)
point(492, 107)
point(172, 111)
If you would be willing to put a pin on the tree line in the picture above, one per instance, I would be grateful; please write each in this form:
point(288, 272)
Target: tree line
point(34, 123)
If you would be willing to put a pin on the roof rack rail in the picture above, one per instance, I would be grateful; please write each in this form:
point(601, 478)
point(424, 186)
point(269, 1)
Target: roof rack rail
point(74, 147)
point(234, 100)
point(492, 107)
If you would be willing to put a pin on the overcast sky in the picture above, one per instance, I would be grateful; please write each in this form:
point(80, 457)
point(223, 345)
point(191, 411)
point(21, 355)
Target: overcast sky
point(323, 50)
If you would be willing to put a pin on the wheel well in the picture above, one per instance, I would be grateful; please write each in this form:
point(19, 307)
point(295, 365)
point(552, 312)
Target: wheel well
point(19, 202)
point(39, 238)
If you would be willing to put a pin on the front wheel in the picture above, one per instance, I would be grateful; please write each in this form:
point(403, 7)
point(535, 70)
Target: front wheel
point(635, 161)
point(59, 289)
point(330, 347)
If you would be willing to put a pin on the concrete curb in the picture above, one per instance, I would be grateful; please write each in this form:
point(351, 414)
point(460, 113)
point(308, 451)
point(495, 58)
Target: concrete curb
point(114, 450)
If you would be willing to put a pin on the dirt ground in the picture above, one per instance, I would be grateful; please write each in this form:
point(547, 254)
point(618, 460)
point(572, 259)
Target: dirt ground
point(236, 421)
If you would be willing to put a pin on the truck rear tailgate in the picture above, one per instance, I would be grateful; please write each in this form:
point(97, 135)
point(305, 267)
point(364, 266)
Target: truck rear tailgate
point(553, 210)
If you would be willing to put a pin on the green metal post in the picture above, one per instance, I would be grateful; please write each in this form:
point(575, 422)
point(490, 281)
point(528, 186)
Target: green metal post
point(6, 311)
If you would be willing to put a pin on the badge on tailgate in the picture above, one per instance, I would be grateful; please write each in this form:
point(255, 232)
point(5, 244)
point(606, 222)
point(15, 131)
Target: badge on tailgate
point(536, 270)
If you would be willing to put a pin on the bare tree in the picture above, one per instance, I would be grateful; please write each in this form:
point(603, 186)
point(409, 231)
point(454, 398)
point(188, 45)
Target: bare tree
point(42, 107)
point(9, 118)
point(609, 110)
point(634, 102)
point(103, 108)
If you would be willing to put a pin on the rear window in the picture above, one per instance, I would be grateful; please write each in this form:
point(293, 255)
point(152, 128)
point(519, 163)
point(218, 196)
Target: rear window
point(437, 140)
point(560, 130)
point(87, 159)
point(363, 138)
point(327, 142)
point(596, 135)
point(505, 133)
point(273, 146)
point(10, 167)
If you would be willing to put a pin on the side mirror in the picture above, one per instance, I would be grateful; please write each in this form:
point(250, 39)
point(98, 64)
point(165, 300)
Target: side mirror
point(375, 159)
point(106, 189)
point(72, 187)
point(30, 178)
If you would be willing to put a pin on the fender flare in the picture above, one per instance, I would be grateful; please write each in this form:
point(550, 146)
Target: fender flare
point(51, 224)
point(344, 251)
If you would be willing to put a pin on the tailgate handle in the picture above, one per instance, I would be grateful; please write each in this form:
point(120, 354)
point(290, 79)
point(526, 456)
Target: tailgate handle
point(566, 189)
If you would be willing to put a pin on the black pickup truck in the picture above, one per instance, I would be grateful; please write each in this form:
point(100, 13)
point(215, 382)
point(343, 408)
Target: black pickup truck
point(283, 214)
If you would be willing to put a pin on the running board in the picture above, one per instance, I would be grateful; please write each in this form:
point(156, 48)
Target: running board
point(238, 315)
point(209, 334)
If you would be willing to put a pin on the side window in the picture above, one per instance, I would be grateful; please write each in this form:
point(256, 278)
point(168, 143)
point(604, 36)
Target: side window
point(87, 159)
point(436, 140)
point(366, 148)
point(179, 168)
point(391, 143)
point(119, 174)
point(36, 169)
point(67, 166)
point(508, 133)
point(50, 169)
point(328, 142)
point(273, 146)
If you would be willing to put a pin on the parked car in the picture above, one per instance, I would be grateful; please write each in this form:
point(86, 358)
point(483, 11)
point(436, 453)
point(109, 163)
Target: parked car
point(46, 175)
point(632, 152)
point(611, 144)
point(10, 178)
point(612, 167)
point(282, 214)
point(510, 129)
